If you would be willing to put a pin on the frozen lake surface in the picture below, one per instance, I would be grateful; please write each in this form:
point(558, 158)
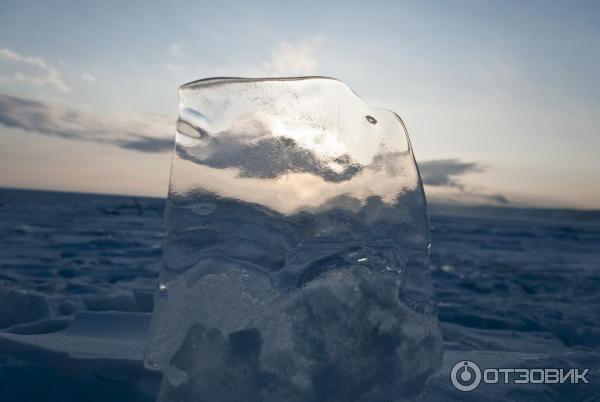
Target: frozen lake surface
point(514, 288)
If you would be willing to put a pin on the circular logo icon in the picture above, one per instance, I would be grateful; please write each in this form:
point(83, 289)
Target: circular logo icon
point(465, 375)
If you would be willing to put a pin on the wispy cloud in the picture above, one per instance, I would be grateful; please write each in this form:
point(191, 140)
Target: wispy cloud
point(88, 77)
point(177, 48)
point(174, 67)
point(443, 172)
point(294, 58)
point(31, 70)
point(144, 133)
point(151, 133)
point(442, 184)
point(287, 58)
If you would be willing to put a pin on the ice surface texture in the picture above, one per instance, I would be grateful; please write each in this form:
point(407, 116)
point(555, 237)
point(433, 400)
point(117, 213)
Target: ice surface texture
point(296, 250)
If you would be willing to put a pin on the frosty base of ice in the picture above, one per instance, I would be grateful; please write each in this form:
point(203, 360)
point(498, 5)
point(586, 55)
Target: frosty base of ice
point(296, 255)
point(336, 319)
point(343, 337)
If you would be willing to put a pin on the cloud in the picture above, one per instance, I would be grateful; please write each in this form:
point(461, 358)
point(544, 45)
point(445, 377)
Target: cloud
point(451, 195)
point(88, 77)
point(440, 178)
point(150, 133)
point(174, 67)
point(148, 144)
point(144, 133)
point(32, 70)
point(253, 158)
point(293, 58)
point(287, 58)
point(177, 48)
point(442, 172)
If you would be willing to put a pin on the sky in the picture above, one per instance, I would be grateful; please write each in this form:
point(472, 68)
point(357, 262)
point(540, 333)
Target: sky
point(501, 99)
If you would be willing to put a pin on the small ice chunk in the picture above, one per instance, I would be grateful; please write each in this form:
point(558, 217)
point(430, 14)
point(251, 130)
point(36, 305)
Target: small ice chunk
point(21, 306)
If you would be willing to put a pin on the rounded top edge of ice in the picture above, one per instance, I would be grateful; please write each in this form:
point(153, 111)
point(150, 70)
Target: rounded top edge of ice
point(210, 81)
point(189, 96)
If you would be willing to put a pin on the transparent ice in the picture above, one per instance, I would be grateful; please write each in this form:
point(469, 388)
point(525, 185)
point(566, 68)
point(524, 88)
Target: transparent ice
point(296, 250)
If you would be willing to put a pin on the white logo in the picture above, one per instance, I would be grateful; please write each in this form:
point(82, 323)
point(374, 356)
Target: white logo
point(465, 375)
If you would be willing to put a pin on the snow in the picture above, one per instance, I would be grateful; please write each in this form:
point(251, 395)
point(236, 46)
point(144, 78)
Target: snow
point(99, 357)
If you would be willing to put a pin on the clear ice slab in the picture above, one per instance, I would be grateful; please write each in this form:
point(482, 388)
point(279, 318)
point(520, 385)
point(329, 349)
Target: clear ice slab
point(296, 253)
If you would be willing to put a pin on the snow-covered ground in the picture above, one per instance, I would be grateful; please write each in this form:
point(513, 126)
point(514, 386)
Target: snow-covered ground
point(514, 289)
